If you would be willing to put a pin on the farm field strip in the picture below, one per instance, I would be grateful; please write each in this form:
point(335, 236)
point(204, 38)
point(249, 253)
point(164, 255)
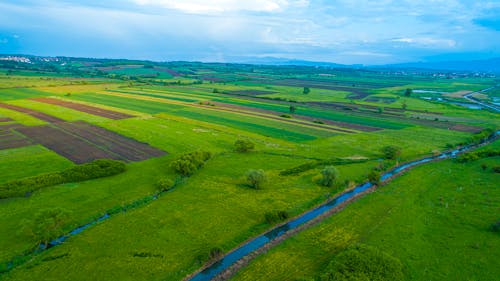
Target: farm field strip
point(85, 108)
point(127, 148)
point(272, 115)
point(9, 139)
point(299, 127)
point(36, 114)
point(6, 119)
point(81, 142)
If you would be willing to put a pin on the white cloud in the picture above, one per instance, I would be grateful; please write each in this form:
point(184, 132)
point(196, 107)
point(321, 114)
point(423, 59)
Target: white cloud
point(427, 42)
point(220, 6)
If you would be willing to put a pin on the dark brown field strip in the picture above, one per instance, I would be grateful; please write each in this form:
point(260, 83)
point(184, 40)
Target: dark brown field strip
point(85, 108)
point(5, 119)
point(36, 114)
point(10, 139)
point(15, 144)
point(124, 147)
point(67, 145)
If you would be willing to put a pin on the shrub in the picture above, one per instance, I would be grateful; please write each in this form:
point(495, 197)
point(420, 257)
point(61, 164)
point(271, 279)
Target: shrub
point(243, 145)
point(391, 152)
point(362, 262)
point(164, 184)
point(329, 175)
point(46, 225)
point(374, 177)
point(256, 178)
point(215, 254)
point(285, 116)
point(96, 169)
point(496, 226)
point(188, 163)
point(276, 216)
point(496, 169)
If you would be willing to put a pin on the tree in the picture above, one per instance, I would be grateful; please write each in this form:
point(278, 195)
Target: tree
point(306, 90)
point(363, 262)
point(404, 105)
point(380, 110)
point(374, 177)
point(256, 178)
point(215, 91)
point(329, 175)
point(292, 108)
point(46, 225)
point(164, 184)
point(243, 145)
point(188, 163)
point(408, 92)
point(391, 152)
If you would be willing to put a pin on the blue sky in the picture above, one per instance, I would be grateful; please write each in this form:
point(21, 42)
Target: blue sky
point(343, 31)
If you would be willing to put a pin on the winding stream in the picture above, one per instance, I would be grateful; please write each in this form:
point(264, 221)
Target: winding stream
point(261, 240)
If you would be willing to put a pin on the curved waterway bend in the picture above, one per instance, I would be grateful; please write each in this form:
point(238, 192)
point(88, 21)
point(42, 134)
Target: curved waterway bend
point(260, 241)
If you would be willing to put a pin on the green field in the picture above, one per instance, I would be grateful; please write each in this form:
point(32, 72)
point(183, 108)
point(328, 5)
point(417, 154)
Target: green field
point(434, 219)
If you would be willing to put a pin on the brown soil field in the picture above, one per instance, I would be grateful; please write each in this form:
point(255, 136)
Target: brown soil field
point(126, 148)
point(85, 108)
point(465, 128)
point(5, 119)
point(36, 114)
point(9, 139)
point(81, 142)
point(67, 145)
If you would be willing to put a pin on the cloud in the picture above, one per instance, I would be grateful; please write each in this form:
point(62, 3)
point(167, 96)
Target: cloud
point(221, 6)
point(427, 42)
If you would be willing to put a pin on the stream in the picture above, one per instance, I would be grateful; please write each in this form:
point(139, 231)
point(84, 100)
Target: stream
point(261, 240)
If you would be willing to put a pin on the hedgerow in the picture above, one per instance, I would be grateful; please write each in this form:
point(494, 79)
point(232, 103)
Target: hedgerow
point(95, 169)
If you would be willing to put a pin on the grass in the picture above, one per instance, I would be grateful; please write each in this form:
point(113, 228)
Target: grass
point(38, 159)
point(435, 219)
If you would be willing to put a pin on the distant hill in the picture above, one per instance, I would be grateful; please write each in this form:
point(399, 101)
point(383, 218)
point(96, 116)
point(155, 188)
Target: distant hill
point(486, 65)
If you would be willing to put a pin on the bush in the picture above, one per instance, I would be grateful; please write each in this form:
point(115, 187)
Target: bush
point(256, 178)
point(46, 225)
point(188, 163)
point(391, 152)
point(374, 177)
point(329, 175)
point(164, 184)
point(496, 226)
point(285, 116)
point(496, 169)
point(476, 155)
point(96, 169)
point(362, 262)
point(215, 254)
point(276, 216)
point(243, 145)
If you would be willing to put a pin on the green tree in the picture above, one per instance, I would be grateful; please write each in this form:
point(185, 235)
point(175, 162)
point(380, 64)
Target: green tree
point(374, 177)
point(328, 176)
point(362, 262)
point(255, 178)
point(164, 184)
point(404, 105)
point(293, 109)
point(243, 145)
point(391, 152)
point(306, 90)
point(408, 92)
point(215, 91)
point(46, 225)
point(188, 163)
point(380, 110)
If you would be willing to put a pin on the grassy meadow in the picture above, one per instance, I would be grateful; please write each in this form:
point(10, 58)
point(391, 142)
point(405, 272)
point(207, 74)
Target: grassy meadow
point(430, 218)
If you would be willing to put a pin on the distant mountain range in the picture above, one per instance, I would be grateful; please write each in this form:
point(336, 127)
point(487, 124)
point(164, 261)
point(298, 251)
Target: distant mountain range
point(486, 65)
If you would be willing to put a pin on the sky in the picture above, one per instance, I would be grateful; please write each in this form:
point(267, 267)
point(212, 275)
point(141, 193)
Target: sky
point(341, 31)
